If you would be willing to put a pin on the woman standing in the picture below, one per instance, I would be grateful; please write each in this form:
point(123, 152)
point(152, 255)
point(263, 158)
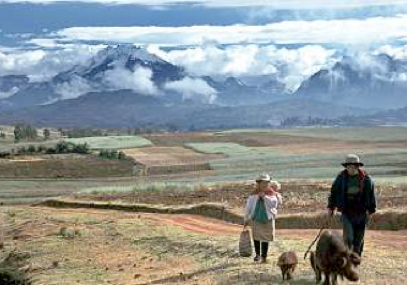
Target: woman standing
point(261, 212)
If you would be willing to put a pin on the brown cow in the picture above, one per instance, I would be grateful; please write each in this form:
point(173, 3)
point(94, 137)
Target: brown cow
point(287, 261)
point(333, 258)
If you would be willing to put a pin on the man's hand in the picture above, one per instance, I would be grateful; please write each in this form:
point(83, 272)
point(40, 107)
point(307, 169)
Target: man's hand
point(331, 212)
point(245, 225)
point(369, 219)
point(262, 194)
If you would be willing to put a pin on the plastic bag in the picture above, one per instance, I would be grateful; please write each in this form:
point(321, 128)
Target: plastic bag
point(245, 244)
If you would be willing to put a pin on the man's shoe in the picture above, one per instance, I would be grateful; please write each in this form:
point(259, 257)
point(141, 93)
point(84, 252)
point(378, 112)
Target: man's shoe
point(263, 260)
point(257, 258)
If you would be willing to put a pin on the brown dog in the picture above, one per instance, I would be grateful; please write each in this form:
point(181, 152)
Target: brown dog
point(287, 261)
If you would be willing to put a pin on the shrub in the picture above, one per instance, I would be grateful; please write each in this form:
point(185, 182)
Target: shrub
point(31, 149)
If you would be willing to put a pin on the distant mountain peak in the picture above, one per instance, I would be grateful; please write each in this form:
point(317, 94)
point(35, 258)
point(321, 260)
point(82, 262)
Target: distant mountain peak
point(124, 56)
point(127, 52)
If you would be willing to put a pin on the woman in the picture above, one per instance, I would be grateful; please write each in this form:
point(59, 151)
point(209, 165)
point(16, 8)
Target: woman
point(261, 212)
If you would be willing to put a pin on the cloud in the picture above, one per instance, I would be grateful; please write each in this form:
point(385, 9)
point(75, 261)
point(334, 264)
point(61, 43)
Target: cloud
point(140, 80)
point(277, 4)
point(76, 87)
point(291, 66)
point(193, 88)
point(348, 31)
point(5, 95)
point(40, 64)
point(397, 52)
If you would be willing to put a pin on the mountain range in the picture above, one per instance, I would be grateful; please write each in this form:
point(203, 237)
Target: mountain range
point(126, 86)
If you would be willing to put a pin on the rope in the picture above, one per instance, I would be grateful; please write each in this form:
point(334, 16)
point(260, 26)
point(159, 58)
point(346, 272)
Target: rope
point(324, 227)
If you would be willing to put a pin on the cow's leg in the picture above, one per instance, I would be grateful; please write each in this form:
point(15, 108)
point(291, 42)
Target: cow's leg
point(318, 276)
point(283, 273)
point(327, 278)
point(334, 279)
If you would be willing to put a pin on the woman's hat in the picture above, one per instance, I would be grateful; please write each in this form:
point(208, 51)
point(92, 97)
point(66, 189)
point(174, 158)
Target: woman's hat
point(263, 177)
point(352, 159)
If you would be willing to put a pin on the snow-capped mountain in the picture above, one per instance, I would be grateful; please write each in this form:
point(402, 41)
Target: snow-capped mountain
point(379, 82)
point(129, 79)
point(114, 68)
point(129, 67)
point(127, 57)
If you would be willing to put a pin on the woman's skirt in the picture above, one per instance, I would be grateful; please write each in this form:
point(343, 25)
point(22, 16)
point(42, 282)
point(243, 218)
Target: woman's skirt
point(263, 232)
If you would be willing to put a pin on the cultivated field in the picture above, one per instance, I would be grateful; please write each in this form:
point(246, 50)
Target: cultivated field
point(168, 156)
point(94, 243)
point(112, 142)
point(63, 166)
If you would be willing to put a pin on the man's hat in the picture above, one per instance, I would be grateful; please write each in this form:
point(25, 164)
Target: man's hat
point(352, 159)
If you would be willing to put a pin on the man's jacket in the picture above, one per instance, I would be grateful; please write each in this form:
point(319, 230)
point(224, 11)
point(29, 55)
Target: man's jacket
point(337, 198)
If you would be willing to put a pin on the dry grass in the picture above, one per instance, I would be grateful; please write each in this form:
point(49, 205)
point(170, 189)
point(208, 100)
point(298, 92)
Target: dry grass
point(128, 248)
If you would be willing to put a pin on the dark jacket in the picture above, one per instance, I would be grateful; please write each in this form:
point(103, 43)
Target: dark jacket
point(337, 198)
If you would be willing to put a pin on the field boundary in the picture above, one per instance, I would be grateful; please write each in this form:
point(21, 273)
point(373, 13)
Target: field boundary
point(382, 220)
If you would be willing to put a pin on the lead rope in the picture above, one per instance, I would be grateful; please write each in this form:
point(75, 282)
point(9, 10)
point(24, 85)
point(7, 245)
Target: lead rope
point(327, 225)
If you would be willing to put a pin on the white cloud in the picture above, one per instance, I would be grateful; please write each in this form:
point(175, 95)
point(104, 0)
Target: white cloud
point(5, 95)
point(348, 31)
point(290, 66)
point(140, 80)
point(42, 64)
point(277, 4)
point(73, 89)
point(193, 88)
point(397, 52)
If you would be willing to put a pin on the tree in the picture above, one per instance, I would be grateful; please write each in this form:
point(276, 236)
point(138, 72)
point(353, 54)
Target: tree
point(41, 149)
point(47, 134)
point(17, 133)
point(121, 155)
point(81, 148)
point(62, 147)
point(31, 149)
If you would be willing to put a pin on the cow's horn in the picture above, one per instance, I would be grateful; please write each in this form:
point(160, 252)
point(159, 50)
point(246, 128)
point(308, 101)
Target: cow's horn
point(344, 261)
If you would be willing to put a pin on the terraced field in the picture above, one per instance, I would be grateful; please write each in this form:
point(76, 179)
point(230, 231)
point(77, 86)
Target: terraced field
point(112, 142)
point(168, 156)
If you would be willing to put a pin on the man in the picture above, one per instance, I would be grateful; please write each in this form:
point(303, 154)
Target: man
point(353, 195)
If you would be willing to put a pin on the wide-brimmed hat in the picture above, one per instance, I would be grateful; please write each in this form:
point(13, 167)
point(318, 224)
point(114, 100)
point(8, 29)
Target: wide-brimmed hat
point(263, 177)
point(352, 159)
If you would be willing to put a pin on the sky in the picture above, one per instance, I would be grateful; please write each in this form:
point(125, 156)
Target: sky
point(285, 39)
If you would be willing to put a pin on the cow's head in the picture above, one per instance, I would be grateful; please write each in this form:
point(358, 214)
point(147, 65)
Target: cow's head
point(346, 264)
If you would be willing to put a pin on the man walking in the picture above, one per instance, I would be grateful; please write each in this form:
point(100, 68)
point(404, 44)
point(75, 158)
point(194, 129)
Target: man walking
point(353, 195)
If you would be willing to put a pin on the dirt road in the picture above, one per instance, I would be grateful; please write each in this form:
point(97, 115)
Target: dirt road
point(207, 226)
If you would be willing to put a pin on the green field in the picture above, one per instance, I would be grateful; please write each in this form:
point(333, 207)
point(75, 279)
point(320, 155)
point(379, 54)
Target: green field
point(244, 162)
point(112, 142)
point(383, 134)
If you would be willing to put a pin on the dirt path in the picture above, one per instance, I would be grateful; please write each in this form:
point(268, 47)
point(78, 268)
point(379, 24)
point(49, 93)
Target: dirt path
point(391, 239)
